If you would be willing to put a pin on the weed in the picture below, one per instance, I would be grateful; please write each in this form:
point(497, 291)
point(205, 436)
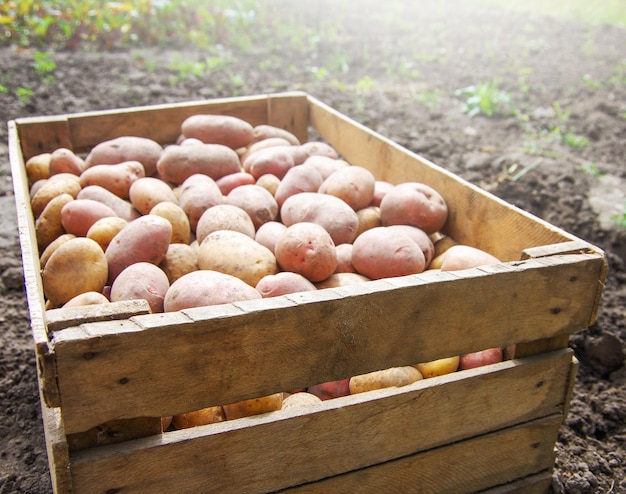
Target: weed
point(24, 94)
point(620, 218)
point(43, 64)
point(592, 169)
point(3, 89)
point(590, 82)
point(486, 99)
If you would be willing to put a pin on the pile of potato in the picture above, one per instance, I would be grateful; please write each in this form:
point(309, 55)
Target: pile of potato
point(229, 212)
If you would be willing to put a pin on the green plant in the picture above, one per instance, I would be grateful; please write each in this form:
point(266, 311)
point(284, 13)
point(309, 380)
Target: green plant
point(24, 93)
point(3, 89)
point(620, 218)
point(486, 99)
point(592, 169)
point(44, 65)
point(522, 79)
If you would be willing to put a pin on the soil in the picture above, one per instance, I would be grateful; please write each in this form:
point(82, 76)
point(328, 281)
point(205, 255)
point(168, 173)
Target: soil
point(396, 74)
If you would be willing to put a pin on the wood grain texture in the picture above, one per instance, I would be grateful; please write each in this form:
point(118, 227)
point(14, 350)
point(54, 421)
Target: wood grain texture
point(290, 447)
point(224, 354)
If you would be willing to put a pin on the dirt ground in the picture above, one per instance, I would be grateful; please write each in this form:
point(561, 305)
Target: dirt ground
point(396, 73)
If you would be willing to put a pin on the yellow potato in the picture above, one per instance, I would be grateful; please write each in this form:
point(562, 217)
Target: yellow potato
point(179, 260)
point(54, 245)
point(300, 399)
point(38, 167)
point(87, 298)
point(204, 416)
point(254, 406)
point(438, 367)
point(103, 230)
point(48, 225)
point(181, 229)
point(386, 378)
point(54, 186)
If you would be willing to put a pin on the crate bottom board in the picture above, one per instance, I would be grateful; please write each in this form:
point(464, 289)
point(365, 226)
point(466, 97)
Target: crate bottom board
point(517, 404)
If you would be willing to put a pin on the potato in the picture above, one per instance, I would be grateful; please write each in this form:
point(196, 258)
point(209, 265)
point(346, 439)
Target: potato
point(438, 367)
point(224, 217)
point(79, 215)
point(419, 236)
point(177, 163)
point(369, 217)
point(465, 257)
point(54, 245)
point(63, 183)
point(344, 259)
point(276, 160)
point(124, 209)
point(77, 266)
point(274, 285)
point(256, 201)
point(63, 160)
point(381, 187)
point(218, 129)
point(254, 406)
point(38, 167)
point(265, 131)
point(353, 184)
point(48, 225)
point(330, 389)
point(301, 399)
point(229, 182)
point(301, 178)
point(330, 212)
point(317, 148)
point(480, 358)
point(181, 229)
point(263, 144)
point(197, 194)
point(126, 148)
point(87, 298)
point(145, 239)
point(269, 182)
point(141, 280)
point(307, 249)
point(386, 378)
point(325, 165)
point(237, 254)
point(147, 192)
point(115, 178)
point(414, 203)
point(378, 253)
point(206, 287)
point(269, 233)
point(179, 260)
point(336, 280)
point(204, 416)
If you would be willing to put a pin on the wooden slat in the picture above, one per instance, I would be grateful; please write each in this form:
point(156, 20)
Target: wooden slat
point(290, 111)
point(539, 483)
point(291, 447)
point(44, 134)
point(464, 467)
point(255, 348)
point(476, 217)
point(57, 449)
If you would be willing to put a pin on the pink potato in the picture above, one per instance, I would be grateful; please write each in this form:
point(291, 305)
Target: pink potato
point(206, 287)
point(378, 253)
point(124, 209)
point(224, 217)
point(480, 358)
point(115, 178)
point(263, 144)
point(301, 178)
point(233, 180)
point(330, 212)
point(225, 130)
point(86, 298)
point(353, 184)
point(177, 163)
point(126, 148)
point(307, 249)
point(258, 202)
point(414, 203)
point(265, 131)
point(145, 239)
point(381, 187)
point(63, 160)
point(325, 165)
point(142, 280)
point(420, 237)
point(276, 160)
point(283, 283)
point(318, 148)
point(79, 215)
point(269, 233)
point(197, 194)
point(330, 389)
point(337, 280)
point(344, 259)
point(465, 257)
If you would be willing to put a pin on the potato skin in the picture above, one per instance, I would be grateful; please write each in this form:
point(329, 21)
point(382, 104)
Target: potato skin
point(179, 260)
point(254, 406)
point(465, 257)
point(172, 212)
point(307, 249)
point(87, 298)
point(145, 239)
point(414, 203)
point(124, 209)
point(438, 367)
point(264, 131)
point(274, 285)
point(336, 280)
point(233, 180)
point(226, 130)
point(79, 215)
point(394, 376)
point(147, 192)
point(63, 160)
point(205, 287)
point(301, 178)
point(77, 266)
point(54, 245)
point(38, 167)
point(177, 163)
point(197, 194)
point(115, 178)
point(141, 280)
point(258, 202)
point(126, 148)
point(353, 184)
point(237, 254)
point(276, 160)
point(224, 217)
point(269, 233)
point(204, 416)
point(48, 225)
point(63, 183)
point(300, 399)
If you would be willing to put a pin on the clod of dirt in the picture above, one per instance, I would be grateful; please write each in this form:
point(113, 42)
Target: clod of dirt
point(604, 353)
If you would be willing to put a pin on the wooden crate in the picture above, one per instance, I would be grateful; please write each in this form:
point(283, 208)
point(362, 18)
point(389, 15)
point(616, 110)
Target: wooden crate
point(489, 429)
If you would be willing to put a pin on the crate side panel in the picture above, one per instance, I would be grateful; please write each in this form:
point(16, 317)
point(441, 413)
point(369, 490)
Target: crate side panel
point(289, 111)
point(57, 449)
point(256, 350)
point(463, 467)
point(40, 135)
point(314, 442)
point(476, 217)
point(539, 483)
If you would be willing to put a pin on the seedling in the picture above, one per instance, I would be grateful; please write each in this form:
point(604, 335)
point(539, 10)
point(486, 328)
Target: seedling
point(620, 218)
point(44, 65)
point(485, 99)
point(592, 169)
point(24, 93)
